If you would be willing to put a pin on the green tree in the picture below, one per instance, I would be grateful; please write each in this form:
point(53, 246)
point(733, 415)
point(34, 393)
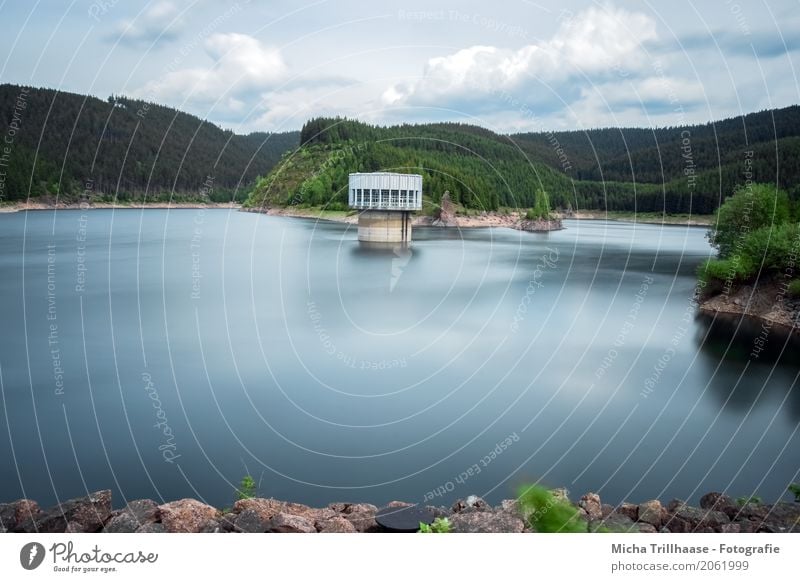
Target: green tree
point(749, 209)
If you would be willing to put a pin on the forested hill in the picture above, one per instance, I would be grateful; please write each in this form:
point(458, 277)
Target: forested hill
point(673, 170)
point(715, 152)
point(481, 169)
point(127, 147)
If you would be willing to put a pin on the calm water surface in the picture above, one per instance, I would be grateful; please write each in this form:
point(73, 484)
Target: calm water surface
point(166, 354)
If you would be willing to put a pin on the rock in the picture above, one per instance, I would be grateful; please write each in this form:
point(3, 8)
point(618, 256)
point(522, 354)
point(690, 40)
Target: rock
point(338, 507)
point(288, 523)
point(249, 521)
point(606, 509)
point(782, 518)
point(185, 515)
point(133, 516)
point(509, 506)
point(590, 503)
point(673, 505)
point(82, 514)
point(650, 512)
point(227, 522)
point(399, 504)
point(363, 521)
point(25, 509)
point(719, 502)
point(486, 522)
point(360, 508)
point(646, 528)
point(335, 525)
point(8, 519)
point(629, 509)
point(473, 502)
point(266, 508)
point(123, 522)
point(615, 523)
point(730, 528)
point(152, 528)
point(692, 519)
point(211, 526)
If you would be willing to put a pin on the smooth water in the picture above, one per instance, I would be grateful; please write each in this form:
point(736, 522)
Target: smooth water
point(166, 354)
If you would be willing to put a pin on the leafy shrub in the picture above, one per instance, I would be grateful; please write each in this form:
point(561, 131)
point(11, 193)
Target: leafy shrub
point(247, 488)
point(794, 291)
point(439, 525)
point(749, 209)
point(547, 513)
point(794, 489)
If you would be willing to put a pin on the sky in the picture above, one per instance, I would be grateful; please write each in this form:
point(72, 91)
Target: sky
point(508, 65)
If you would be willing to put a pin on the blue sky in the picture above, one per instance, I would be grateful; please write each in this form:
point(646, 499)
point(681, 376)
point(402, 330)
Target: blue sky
point(510, 65)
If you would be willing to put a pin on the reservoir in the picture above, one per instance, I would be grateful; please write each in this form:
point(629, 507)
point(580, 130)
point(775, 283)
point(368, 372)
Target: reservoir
point(167, 353)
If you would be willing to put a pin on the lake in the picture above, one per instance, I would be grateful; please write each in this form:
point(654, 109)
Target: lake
point(167, 353)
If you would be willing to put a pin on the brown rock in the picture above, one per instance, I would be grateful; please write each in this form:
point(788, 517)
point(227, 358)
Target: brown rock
point(185, 515)
point(288, 523)
point(719, 502)
point(335, 525)
point(590, 503)
point(646, 528)
point(486, 522)
point(25, 509)
point(615, 523)
point(152, 528)
point(363, 521)
point(399, 504)
point(133, 516)
point(510, 506)
point(266, 508)
point(630, 510)
point(471, 503)
point(250, 521)
point(650, 512)
point(86, 514)
point(360, 508)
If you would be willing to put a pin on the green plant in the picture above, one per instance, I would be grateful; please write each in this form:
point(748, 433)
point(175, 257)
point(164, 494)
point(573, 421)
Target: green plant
point(439, 525)
point(794, 489)
point(794, 291)
point(547, 513)
point(247, 488)
point(742, 501)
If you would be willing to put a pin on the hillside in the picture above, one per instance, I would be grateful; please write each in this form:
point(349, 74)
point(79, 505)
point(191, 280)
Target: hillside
point(482, 170)
point(715, 153)
point(129, 148)
point(580, 170)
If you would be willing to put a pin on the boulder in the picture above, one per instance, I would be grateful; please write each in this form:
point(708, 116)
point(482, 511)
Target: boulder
point(211, 526)
point(8, 518)
point(185, 515)
point(288, 523)
point(782, 518)
point(509, 506)
point(486, 522)
point(266, 508)
point(646, 528)
point(25, 509)
point(133, 516)
point(719, 502)
point(249, 521)
point(363, 521)
point(352, 508)
point(591, 504)
point(82, 514)
point(650, 512)
point(335, 525)
point(630, 510)
point(692, 519)
point(399, 504)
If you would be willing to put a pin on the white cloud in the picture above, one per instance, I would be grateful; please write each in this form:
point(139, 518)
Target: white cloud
point(241, 65)
point(596, 42)
point(156, 23)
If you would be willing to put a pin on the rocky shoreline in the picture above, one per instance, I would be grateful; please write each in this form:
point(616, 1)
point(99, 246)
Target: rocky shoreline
point(94, 513)
point(767, 301)
point(37, 205)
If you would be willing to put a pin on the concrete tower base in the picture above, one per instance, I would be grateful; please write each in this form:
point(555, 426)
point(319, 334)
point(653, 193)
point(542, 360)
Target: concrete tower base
point(384, 226)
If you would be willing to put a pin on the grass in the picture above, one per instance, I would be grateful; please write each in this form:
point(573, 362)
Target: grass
point(247, 488)
point(547, 513)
